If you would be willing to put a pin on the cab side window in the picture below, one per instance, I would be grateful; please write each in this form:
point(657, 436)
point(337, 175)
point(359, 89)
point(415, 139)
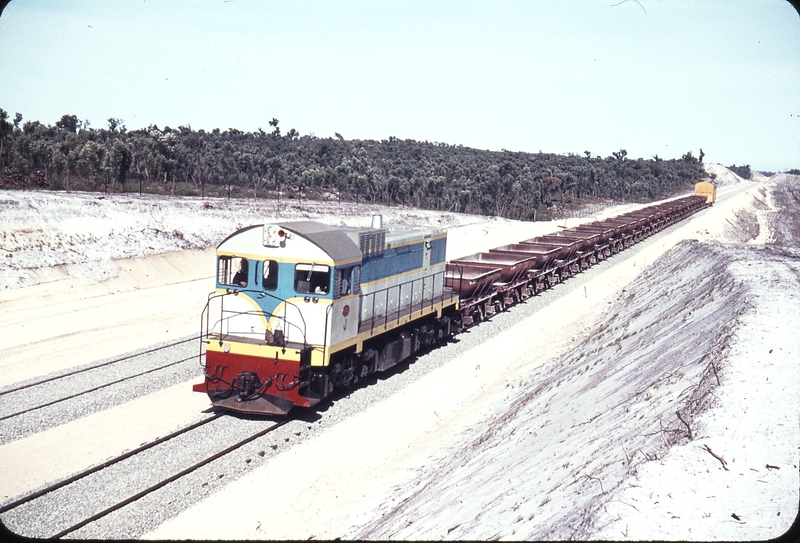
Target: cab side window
point(269, 280)
point(342, 282)
point(312, 279)
point(233, 271)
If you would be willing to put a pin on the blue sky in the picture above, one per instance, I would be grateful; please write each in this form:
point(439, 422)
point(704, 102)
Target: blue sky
point(654, 77)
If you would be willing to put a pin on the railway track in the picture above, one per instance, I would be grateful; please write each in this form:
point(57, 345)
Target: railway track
point(93, 389)
point(38, 504)
point(107, 463)
point(26, 408)
point(94, 367)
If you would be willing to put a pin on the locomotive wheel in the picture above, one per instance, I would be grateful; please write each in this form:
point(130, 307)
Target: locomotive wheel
point(337, 375)
point(347, 378)
point(362, 372)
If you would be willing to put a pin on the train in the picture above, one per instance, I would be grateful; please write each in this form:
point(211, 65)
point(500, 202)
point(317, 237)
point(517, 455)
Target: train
point(302, 308)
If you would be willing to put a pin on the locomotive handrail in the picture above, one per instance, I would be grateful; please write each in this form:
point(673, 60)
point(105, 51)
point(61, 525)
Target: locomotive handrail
point(325, 345)
point(262, 294)
point(227, 315)
point(399, 310)
point(206, 315)
point(231, 314)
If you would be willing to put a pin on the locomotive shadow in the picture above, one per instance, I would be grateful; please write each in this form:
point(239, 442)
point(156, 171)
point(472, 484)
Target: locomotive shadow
point(374, 379)
point(303, 415)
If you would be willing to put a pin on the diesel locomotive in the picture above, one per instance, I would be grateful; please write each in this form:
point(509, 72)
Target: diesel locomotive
point(301, 308)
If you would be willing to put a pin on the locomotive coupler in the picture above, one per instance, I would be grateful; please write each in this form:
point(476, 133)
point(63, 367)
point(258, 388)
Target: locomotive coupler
point(247, 382)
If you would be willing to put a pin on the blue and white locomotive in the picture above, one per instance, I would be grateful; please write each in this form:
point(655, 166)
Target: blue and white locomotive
point(302, 308)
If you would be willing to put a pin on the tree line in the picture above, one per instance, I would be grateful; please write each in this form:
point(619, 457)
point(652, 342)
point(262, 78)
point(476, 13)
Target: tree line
point(742, 171)
point(73, 155)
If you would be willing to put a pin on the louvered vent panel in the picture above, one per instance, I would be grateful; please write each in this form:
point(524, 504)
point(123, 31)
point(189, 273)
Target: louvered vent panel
point(372, 241)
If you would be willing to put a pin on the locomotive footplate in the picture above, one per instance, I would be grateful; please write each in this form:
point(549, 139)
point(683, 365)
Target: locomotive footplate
point(261, 405)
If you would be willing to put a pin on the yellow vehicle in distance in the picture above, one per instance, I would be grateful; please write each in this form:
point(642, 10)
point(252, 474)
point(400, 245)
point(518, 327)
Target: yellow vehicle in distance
point(707, 189)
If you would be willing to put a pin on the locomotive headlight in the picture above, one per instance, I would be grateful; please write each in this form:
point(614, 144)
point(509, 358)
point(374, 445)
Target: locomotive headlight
point(226, 348)
point(345, 310)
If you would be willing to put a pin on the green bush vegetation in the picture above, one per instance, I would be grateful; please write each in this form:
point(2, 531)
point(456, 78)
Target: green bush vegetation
point(742, 171)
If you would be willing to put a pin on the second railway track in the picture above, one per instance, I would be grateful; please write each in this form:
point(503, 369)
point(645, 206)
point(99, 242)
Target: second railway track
point(46, 402)
point(69, 505)
point(94, 366)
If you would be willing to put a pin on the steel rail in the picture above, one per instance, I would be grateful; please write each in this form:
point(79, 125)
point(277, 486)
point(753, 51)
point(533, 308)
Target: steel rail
point(166, 481)
point(93, 389)
point(103, 364)
point(107, 463)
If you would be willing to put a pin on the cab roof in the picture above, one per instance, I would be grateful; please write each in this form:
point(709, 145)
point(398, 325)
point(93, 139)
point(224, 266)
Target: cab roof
point(331, 239)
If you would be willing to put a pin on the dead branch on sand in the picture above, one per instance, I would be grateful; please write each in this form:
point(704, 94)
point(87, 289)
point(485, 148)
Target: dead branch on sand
point(721, 460)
